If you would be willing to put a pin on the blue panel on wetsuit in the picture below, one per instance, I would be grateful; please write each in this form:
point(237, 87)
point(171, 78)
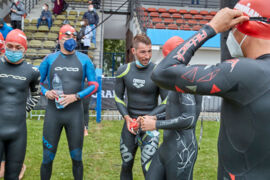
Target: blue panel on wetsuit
point(48, 156)
point(76, 154)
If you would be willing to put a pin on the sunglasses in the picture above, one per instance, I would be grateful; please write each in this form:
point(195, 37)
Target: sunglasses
point(262, 19)
point(69, 33)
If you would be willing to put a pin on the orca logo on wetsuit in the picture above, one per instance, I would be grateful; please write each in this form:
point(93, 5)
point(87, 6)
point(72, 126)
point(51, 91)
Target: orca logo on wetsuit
point(66, 68)
point(138, 83)
point(13, 76)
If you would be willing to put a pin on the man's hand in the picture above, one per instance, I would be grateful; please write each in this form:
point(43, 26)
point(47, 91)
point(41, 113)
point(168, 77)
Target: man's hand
point(129, 120)
point(13, 10)
point(67, 99)
point(148, 123)
point(226, 19)
point(51, 94)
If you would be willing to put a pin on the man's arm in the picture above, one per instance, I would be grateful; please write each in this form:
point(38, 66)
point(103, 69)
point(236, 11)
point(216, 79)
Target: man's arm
point(96, 18)
point(174, 74)
point(120, 89)
point(91, 80)
point(20, 9)
point(34, 96)
point(162, 107)
point(43, 69)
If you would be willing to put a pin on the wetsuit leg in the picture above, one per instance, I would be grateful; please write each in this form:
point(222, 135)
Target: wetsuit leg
point(15, 152)
point(51, 134)
point(74, 130)
point(86, 102)
point(148, 149)
point(156, 170)
point(128, 149)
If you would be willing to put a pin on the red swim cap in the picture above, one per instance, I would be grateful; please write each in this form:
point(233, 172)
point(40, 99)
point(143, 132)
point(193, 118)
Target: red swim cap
point(254, 8)
point(171, 44)
point(64, 29)
point(2, 44)
point(17, 36)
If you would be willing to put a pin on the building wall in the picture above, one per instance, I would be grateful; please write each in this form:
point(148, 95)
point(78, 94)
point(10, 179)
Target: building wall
point(202, 56)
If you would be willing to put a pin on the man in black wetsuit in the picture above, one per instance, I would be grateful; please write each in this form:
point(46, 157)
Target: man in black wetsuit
point(16, 77)
point(176, 156)
point(142, 98)
point(243, 83)
point(72, 67)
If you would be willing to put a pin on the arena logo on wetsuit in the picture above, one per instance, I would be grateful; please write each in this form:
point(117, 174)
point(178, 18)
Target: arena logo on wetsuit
point(138, 83)
point(149, 150)
point(13, 76)
point(127, 156)
point(71, 69)
point(193, 41)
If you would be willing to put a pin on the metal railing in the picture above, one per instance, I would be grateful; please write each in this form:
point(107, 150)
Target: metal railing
point(30, 4)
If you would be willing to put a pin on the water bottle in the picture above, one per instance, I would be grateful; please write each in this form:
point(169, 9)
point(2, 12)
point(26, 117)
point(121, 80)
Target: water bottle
point(57, 86)
point(153, 133)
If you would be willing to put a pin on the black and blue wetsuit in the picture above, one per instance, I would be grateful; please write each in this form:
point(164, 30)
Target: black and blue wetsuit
point(142, 99)
point(244, 85)
point(15, 100)
point(72, 70)
point(177, 154)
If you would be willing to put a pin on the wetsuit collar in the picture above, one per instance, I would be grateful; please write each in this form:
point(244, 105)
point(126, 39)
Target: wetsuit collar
point(264, 56)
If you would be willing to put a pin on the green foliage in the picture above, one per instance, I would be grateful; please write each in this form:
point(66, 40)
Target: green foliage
point(101, 156)
point(113, 45)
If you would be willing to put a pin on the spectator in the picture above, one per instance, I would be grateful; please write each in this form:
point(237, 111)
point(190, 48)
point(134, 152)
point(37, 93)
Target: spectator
point(93, 18)
point(193, 1)
point(85, 36)
point(46, 16)
point(58, 6)
point(17, 11)
point(4, 28)
point(96, 3)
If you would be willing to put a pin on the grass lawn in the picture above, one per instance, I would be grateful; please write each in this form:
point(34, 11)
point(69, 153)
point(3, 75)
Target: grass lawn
point(101, 153)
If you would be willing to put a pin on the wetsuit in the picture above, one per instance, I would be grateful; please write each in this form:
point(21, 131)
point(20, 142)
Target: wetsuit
point(176, 156)
point(142, 98)
point(72, 70)
point(244, 84)
point(15, 81)
point(86, 102)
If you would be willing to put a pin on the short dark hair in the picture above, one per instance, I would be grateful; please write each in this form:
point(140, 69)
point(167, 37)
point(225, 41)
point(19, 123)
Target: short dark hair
point(141, 38)
point(46, 5)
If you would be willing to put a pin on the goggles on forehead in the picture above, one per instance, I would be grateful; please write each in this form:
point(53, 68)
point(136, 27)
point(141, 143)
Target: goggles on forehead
point(262, 19)
point(68, 33)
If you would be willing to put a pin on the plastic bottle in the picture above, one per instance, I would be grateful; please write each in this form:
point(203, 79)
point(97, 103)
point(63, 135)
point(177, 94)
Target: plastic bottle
point(57, 86)
point(152, 133)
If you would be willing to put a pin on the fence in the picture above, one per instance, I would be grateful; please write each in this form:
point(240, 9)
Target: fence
point(211, 105)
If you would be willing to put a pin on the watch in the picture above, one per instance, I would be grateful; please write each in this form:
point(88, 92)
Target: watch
point(77, 96)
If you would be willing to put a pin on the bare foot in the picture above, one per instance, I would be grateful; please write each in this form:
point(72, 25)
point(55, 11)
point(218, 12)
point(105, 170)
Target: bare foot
point(2, 169)
point(85, 132)
point(22, 171)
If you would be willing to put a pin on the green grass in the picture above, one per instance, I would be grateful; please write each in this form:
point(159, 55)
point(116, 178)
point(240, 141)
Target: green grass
point(101, 155)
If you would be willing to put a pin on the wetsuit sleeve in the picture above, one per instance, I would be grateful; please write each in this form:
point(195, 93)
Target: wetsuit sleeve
point(34, 96)
point(43, 68)
point(161, 116)
point(186, 120)
point(162, 107)
point(91, 80)
point(173, 73)
point(120, 89)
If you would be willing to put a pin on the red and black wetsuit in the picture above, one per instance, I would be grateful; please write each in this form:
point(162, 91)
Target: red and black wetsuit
point(244, 85)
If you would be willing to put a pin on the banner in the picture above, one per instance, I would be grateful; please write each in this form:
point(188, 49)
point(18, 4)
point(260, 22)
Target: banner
point(107, 94)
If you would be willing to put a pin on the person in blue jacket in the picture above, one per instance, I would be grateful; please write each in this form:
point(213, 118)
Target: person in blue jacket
point(46, 15)
point(4, 28)
point(72, 67)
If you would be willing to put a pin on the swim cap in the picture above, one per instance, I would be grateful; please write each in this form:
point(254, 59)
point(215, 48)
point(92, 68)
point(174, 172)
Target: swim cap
point(171, 44)
point(17, 36)
point(2, 44)
point(66, 29)
point(254, 8)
